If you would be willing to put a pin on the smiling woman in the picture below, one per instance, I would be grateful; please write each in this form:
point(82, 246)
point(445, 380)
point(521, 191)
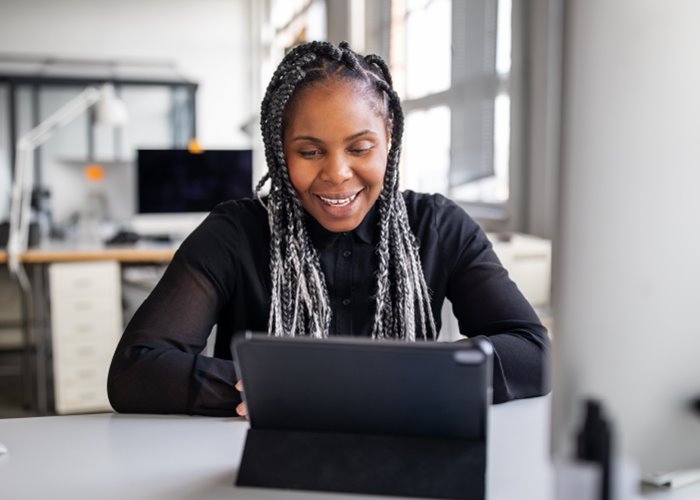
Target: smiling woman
point(334, 249)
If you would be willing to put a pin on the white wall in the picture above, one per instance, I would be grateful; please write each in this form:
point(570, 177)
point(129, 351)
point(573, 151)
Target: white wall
point(207, 39)
point(627, 256)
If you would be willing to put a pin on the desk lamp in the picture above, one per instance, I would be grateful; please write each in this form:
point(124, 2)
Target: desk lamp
point(110, 110)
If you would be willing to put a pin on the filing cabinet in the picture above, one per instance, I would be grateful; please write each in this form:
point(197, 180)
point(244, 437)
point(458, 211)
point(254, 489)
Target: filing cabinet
point(86, 323)
point(528, 260)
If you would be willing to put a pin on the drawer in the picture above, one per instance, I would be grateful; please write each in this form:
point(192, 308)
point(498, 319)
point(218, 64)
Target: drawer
point(84, 278)
point(80, 353)
point(79, 329)
point(68, 310)
point(92, 374)
point(77, 400)
point(533, 277)
point(81, 387)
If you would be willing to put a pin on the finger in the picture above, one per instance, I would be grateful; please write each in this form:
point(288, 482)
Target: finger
point(239, 386)
point(242, 410)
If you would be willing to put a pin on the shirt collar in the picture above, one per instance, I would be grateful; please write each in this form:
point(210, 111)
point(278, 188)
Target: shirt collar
point(322, 237)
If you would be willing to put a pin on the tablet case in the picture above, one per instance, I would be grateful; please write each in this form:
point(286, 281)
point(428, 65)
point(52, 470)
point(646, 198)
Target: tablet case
point(421, 431)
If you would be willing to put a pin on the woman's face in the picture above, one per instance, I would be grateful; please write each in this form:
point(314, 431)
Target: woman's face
point(336, 144)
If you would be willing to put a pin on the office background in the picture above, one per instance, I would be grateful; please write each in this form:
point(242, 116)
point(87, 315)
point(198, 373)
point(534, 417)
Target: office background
point(478, 88)
point(490, 104)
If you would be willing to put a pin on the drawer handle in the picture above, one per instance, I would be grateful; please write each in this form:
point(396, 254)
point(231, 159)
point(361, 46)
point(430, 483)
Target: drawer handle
point(85, 351)
point(86, 373)
point(82, 283)
point(87, 396)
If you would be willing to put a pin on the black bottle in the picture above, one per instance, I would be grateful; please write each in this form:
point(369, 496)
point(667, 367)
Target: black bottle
point(594, 444)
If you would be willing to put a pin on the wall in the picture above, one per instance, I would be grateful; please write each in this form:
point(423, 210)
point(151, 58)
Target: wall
point(627, 271)
point(208, 40)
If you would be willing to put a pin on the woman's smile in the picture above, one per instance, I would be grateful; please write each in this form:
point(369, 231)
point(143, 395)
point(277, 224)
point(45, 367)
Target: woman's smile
point(339, 200)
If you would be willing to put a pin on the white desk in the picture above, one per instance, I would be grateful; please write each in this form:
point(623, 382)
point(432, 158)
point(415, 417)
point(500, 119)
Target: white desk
point(109, 456)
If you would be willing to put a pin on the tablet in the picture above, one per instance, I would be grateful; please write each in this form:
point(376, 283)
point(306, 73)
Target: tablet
point(435, 389)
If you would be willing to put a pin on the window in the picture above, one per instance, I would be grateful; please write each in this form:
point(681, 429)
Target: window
point(451, 64)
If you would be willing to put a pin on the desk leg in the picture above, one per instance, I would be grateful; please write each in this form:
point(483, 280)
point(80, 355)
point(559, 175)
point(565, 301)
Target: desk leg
point(42, 337)
point(27, 373)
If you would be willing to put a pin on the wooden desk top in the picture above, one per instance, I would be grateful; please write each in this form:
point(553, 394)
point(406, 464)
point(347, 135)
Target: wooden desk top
point(65, 253)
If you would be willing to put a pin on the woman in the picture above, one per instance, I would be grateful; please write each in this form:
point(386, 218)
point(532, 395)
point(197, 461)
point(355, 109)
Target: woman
point(335, 249)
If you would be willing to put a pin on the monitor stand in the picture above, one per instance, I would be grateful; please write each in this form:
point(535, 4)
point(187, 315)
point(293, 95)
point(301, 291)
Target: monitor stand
point(175, 226)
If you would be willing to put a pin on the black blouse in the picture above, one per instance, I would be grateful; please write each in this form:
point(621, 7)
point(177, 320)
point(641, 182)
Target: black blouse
point(220, 276)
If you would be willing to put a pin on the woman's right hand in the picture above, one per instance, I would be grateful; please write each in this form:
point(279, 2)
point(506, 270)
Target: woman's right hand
point(241, 409)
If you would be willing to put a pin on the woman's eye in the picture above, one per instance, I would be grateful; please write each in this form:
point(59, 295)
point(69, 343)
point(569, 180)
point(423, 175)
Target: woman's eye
point(310, 153)
point(361, 149)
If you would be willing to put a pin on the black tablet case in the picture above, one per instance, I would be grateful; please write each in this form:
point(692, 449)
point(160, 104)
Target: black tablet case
point(362, 416)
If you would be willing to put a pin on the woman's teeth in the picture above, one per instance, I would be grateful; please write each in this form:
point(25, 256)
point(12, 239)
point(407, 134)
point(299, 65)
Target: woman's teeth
point(339, 202)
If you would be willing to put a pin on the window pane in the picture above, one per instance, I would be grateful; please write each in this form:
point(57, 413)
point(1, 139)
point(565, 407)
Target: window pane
point(427, 150)
point(495, 188)
point(428, 46)
point(481, 170)
point(283, 11)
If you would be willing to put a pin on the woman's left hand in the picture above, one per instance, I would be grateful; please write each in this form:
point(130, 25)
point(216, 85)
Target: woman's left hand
point(242, 408)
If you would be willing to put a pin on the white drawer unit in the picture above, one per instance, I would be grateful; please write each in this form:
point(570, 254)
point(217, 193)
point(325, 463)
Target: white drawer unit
point(86, 323)
point(528, 260)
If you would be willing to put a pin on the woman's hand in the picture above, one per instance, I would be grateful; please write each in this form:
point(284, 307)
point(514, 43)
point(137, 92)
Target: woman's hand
point(241, 409)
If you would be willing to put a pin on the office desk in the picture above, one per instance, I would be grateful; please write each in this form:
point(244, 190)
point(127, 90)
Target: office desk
point(143, 457)
point(70, 253)
point(36, 306)
point(110, 456)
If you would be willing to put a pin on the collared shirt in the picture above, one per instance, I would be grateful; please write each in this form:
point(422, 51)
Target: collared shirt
point(220, 276)
point(345, 259)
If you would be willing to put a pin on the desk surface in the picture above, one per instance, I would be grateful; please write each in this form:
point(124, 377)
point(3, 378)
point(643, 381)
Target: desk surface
point(110, 456)
point(70, 253)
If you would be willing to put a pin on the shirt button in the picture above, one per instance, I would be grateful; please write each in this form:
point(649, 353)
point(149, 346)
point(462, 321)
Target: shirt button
point(347, 253)
point(346, 302)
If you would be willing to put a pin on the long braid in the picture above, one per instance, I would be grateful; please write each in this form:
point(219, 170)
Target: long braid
point(299, 302)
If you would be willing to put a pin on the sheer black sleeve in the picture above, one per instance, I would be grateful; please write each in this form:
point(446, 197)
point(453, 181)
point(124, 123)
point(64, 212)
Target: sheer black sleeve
point(486, 302)
point(158, 366)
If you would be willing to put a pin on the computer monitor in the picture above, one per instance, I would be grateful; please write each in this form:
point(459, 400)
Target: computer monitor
point(176, 188)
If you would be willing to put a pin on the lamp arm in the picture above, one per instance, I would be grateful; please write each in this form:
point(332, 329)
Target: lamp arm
point(23, 181)
point(59, 119)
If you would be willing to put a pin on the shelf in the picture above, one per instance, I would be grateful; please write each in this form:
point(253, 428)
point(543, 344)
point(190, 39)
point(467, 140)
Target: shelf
point(82, 162)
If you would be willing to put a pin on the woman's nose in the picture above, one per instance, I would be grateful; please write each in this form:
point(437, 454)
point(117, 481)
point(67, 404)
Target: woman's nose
point(336, 169)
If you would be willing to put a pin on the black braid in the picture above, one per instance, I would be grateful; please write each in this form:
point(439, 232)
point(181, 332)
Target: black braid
point(299, 302)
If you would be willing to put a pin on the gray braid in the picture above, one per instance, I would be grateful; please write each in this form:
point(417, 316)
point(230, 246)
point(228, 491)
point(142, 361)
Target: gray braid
point(299, 301)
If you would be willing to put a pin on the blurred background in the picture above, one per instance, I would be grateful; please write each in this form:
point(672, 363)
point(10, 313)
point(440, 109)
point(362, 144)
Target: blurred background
point(474, 77)
point(554, 123)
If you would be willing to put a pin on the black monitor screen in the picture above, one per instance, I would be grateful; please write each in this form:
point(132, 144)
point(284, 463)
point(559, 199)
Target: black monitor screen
point(176, 181)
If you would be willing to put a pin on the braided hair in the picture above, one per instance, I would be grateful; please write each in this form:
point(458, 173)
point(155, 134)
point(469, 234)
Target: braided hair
point(299, 303)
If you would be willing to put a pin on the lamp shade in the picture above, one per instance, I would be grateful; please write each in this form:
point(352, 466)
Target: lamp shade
point(110, 109)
